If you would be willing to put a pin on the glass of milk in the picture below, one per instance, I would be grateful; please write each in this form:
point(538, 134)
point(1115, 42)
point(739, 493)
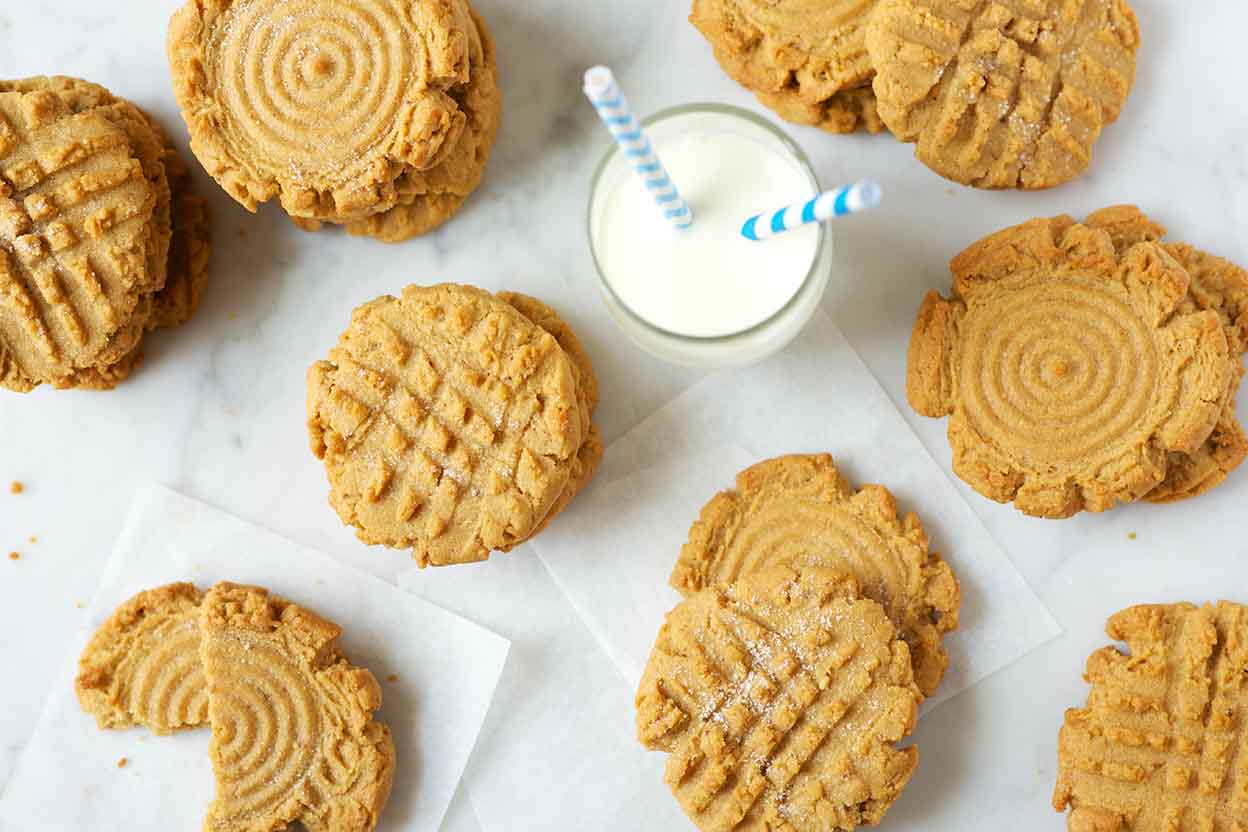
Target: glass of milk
point(706, 296)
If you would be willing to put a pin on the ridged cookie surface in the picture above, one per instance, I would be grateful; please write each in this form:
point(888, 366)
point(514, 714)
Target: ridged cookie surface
point(1068, 367)
point(293, 734)
point(801, 511)
point(448, 422)
point(778, 700)
point(805, 59)
point(1157, 747)
point(322, 105)
point(78, 242)
point(142, 666)
point(1002, 93)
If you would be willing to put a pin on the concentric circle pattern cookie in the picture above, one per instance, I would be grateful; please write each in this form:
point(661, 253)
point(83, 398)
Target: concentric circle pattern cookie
point(779, 700)
point(293, 734)
point(142, 666)
point(428, 198)
point(448, 423)
point(77, 238)
point(805, 59)
point(1002, 94)
point(1221, 287)
point(1068, 367)
point(324, 104)
point(1157, 747)
point(799, 510)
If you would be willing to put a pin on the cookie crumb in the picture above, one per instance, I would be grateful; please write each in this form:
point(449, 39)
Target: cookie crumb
point(16, 487)
point(78, 605)
point(122, 762)
point(14, 556)
point(33, 539)
point(242, 233)
point(393, 677)
point(1131, 535)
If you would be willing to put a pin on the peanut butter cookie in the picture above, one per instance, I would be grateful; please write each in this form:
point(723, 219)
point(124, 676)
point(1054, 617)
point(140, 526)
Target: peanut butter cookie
point(142, 666)
point(1155, 748)
point(1002, 94)
point(779, 700)
point(805, 59)
point(1069, 367)
point(448, 423)
point(323, 109)
point(293, 734)
point(428, 198)
point(82, 247)
point(1222, 287)
point(801, 511)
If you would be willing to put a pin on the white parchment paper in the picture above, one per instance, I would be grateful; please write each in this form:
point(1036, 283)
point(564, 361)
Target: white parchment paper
point(613, 549)
point(446, 671)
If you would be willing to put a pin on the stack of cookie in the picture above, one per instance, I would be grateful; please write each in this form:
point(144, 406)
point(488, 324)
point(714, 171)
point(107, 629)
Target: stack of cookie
point(102, 238)
point(994, 95)
point(454, 422)
point(293, 734)
point(373, 115)
point(810, 633)
point(1084, 365)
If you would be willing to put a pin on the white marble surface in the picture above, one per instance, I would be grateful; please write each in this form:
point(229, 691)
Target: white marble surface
point(217, 412)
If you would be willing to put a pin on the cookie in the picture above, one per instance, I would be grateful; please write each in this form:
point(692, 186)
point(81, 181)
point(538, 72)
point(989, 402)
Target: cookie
point(141, 667)
point(1068, 368)
point(1156, 746)
point(1002, 95)
point(79, 239)
point(448, 422)
point(324, 109)
point(293, 734)
point(428, 198)
point(187, 243)
point(804, 59)
point(779, 700)
point(801, 511)
point(1222, 287)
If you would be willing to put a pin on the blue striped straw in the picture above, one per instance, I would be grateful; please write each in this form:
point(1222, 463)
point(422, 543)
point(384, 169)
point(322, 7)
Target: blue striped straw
point(613, 109)
point(848, 200)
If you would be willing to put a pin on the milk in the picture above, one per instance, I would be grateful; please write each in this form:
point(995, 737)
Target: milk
point(708, 281)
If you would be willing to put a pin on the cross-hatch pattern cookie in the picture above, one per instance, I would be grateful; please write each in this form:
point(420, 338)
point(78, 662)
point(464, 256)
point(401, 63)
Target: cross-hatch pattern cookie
point(76, 234)
point(799, 510)
point(293, 734)
point(779, 700)
point(448, 423)
point(428, 198)
point(805, 59)
point(323, 108)
point(1158, 746)
point(1222, 287)
point(142, 667)
point(1002, 93)
point(1068, 368)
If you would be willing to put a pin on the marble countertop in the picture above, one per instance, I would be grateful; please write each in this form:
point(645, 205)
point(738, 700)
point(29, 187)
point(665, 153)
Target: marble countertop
point(217, 411)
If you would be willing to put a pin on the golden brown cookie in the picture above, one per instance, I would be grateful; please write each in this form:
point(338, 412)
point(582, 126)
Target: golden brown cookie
point(589, 455)
point(1002, 95)
point(293, 734)
point(805, 59)
point(448, 423)
point(79, 239)
point(801, 511)
point(1156, 748)
point(779, 700)
point(428, 198)
point(1068, 367)
point(322, 109)
point(1221, 287)
point(142, 666)
point(177, 206)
